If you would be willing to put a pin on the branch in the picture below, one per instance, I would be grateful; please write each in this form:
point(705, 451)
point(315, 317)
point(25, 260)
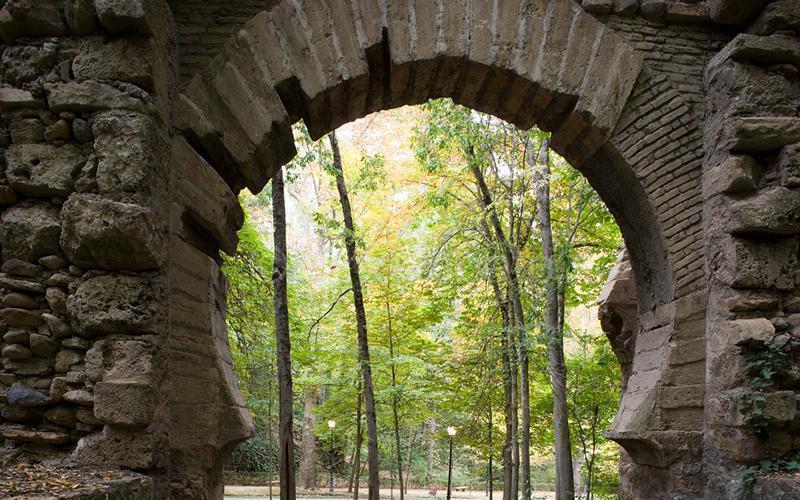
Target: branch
point(310, 330)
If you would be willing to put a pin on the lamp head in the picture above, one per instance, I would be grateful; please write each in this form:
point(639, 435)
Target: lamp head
point(451, 431)
point(331, 423)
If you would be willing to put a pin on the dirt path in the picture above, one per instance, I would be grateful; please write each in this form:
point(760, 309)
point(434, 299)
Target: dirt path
point(253, 492)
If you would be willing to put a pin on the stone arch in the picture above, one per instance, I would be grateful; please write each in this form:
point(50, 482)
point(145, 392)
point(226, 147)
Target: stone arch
point(543, 62)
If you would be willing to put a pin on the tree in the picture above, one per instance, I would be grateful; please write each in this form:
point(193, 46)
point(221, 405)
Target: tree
point(286, 457)
point(307, 471)
point(361, 322)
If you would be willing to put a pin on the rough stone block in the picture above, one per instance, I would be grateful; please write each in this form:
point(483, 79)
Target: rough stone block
point(133, 60)
point(41, 170)
point(130, 448)
point(759, 134)
point(101, 233)
point(124, 403)
point(626, 7)
point(30, 18)
point(20, 394)
point(598, 6)
point(134, 16)
point(734, 11)
point(11, 98)
point(91, 95)
point(789, 166)
point(21, 435)
point(120, 360)
point(728, 336)
point(80, 16)
point(206, 196)
point(764, 263)
point(129, 152)
point(118, 305)
point(774, 212)
point(735, 175)
point(28, 233)
point(687, 396)
point(780, 15)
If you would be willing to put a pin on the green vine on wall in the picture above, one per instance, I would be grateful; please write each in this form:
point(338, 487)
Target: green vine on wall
point(763, 365)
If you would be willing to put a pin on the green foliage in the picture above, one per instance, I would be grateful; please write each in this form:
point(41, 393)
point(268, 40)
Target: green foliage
point(763, 364)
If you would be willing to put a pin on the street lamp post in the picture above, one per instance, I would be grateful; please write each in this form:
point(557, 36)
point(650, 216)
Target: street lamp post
point(331, 425)
point(452, 432)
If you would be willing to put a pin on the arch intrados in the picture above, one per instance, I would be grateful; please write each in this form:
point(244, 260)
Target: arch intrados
point(238, 112)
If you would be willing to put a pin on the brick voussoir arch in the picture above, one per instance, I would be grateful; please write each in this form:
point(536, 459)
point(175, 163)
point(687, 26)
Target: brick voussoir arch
point(543, 62)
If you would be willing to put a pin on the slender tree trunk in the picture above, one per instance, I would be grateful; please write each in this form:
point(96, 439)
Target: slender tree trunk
point(565, 488)
point(361, 324)
point(508, 394)
point(307, 472)
point(410, 456)
point(395, 401)
point(515, 302)
point(356, 473)
point(286, 457)
point(431, 449)
point(491, 445)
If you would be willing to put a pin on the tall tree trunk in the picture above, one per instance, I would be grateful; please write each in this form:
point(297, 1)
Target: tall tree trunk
point(307, 473)
point(491, 445)
point(565, 488)
point(508, 394)
point(431, 449)
point(356, 473)
point(286, 457)
point(361, 323)
point(395, 401)
point(410, 456)
point(519, 326)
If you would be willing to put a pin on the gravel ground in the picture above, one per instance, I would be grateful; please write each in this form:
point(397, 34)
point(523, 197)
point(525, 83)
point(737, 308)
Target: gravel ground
point(253, 492)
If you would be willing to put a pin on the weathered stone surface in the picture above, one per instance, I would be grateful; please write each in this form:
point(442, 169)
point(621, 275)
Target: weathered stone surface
point(61, 415)
point(132, 60)
point(41, 170)
point(16, 267)
point(16, 351)
point(626, 7)
point(59, 131)
point(734, 11)
point(20, 394)
point(79, 397)
point(759, 134)
point(28, 233)
point(26, 131)
point(80, 16)
point(29, 367)
point(42, 345)
point(20, 414)
point(11, 98)
point(82, 131)
point(7, 196)
point(772, 212)
point(57, 300)
point(125, 447)
point(207, 198)
point(780, 15)
point(128, 146)
point(53, 262)
point(16, 317)
point(100, 233)
point(57, 389)
point(91, 95)
point(30, 436)
point(16, 299)
point(133, 16)
point(120, 360)
point(21, 285)
point(78, 343)
point(735, 175)
point(30, 18)
point(763, 263)
point(118, 304)
point(16, 336)
point(65, 359)
point(122, 403)
point(598, 6)
point(58, 327)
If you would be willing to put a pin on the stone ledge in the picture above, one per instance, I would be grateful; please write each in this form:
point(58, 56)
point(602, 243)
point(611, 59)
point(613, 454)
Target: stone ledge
point(45, 482)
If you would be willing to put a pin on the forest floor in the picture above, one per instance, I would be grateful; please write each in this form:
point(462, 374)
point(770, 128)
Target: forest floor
point(252, 492)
